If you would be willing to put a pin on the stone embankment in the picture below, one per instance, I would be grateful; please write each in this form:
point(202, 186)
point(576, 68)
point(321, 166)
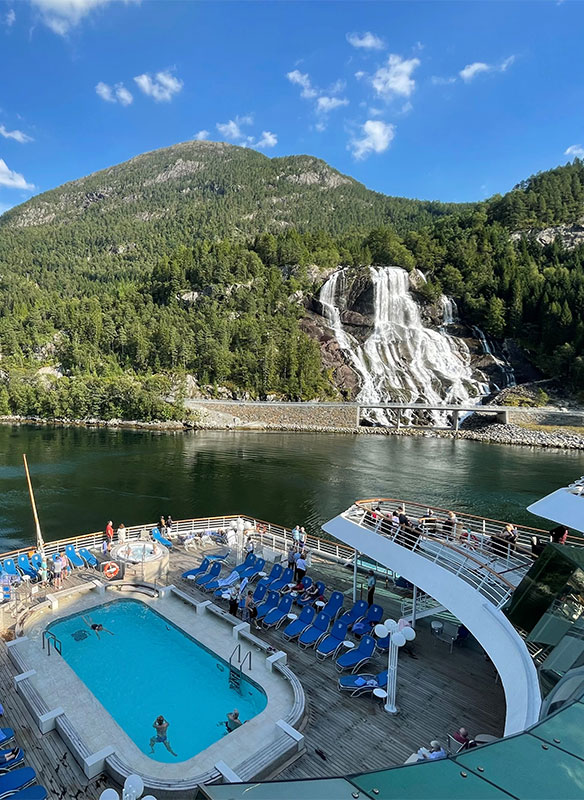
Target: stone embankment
point(335, 419)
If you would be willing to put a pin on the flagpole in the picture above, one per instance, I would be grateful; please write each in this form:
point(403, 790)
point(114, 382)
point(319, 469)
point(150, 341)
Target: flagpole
point(39, 535)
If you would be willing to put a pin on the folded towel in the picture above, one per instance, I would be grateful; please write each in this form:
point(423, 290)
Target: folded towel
point(360, 681)
point(371, 682)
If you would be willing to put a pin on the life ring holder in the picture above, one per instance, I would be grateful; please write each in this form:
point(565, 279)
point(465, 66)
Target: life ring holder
point(111, 570)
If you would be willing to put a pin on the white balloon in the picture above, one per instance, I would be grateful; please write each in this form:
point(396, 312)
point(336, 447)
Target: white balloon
point(409, 633)
point(381, 631)
point(149, 797)
point(398, 639)
point(134, 783)
point(390, 624)
point(109, 794)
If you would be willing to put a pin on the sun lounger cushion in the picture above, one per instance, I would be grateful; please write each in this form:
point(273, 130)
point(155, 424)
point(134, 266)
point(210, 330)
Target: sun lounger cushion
point(13, 781)
point(31, 793)
point(6, 734)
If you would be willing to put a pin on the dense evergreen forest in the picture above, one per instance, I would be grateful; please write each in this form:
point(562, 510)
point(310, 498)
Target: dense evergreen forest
point(128, 303)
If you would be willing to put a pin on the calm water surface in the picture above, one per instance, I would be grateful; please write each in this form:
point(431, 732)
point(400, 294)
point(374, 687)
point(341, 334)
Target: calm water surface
point(82, 477)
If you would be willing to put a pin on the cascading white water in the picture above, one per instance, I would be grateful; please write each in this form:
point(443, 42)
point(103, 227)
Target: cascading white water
point(401, 360)
point(507, 370)
point(449, 310)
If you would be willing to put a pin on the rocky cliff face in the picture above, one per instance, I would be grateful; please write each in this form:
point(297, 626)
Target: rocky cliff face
point(570, 235)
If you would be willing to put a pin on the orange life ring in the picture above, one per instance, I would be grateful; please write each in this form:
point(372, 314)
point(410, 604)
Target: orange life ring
point(110, 570)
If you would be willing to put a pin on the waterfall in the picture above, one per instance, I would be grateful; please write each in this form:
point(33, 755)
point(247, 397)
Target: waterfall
point(449, 311)
point(507, 370)
point(401, 360)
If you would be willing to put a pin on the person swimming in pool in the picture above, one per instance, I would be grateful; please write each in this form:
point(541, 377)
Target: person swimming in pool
point(160, 725)
point(96, 626)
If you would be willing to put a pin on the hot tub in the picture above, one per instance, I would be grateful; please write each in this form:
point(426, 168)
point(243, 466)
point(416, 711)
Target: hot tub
point(141, 559)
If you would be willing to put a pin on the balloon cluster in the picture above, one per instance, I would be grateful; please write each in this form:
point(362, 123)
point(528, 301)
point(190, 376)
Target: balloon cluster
point(133, 788)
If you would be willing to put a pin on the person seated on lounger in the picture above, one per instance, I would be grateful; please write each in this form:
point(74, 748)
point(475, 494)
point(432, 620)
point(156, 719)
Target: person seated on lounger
point(160, 725)
point(298, 587)
point(311, 594)
point(13, 755)
point(96, 626)
point(435, 752)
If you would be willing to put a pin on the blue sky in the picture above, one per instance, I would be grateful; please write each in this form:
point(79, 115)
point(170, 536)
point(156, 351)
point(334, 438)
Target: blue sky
point(438, 100)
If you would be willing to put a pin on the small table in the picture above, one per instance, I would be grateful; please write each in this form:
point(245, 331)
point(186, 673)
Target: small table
point(485, 738)
point(413, 759)
point(291, 585)
point(379, 694)
point(225, 596)
point(263, 574)
point(292, 616)
point(320, 604)
point(349, 645)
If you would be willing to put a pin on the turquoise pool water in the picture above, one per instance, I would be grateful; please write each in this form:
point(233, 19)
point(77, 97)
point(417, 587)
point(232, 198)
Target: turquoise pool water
point(149, 667)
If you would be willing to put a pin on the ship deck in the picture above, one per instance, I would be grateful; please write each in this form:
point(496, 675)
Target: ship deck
point(437, 693)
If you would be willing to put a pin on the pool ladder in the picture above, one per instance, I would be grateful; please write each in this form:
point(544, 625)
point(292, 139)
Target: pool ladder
point(236, 665)
point(49, 637)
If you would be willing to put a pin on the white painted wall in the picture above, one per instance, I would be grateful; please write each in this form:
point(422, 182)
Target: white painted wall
point(487, 624)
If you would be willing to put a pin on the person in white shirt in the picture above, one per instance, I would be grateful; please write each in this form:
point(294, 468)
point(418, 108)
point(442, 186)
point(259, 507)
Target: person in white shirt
point(300, 567)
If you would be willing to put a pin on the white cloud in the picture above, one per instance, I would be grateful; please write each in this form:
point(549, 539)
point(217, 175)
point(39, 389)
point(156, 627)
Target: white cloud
point(11, 179)
point(320, 126)
point(477, 67)
point(325, 104)
point(376, 138)
point(18, 136)
point(268, 139)
point(10, 18)
point(395, 78)
point(62, 15)
point(232, 129)
point(162, 87)
point(575, 150)
point(201, 135)
point(302, 79)
point(117, 94)
point(360, 74)
point(367, 41)
point(105, 92)
point(472, 70)
point(438, 81)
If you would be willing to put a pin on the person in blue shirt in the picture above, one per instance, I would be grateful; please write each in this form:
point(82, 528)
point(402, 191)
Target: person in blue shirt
point(435, 752)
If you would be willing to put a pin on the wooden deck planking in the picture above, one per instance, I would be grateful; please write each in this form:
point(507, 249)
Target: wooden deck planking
point(437, 693)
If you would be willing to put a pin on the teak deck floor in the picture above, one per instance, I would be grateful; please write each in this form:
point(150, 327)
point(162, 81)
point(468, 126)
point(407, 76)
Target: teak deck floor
point(437, 693)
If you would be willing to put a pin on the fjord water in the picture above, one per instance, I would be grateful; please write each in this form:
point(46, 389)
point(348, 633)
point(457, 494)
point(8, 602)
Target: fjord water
point(84, 477)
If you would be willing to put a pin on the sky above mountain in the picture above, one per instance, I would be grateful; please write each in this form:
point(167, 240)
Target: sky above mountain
point(436, 100)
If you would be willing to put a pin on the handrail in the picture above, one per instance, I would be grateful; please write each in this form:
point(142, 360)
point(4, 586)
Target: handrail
point(48, 637)
point(236, 649)
point(247, 657)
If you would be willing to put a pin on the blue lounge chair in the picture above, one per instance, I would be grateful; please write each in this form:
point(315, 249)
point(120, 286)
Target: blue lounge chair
point(287, 577)
point(332, 643)
point(250, 560)
point(315, 632)
point(89, 558)
point(10, 567)
point(6, 735)
point(275, 574)
point(191, 574)
point(382, 645)
point(36, 561)
point(354, 659)
point(74, 559)
point(31, 793)
point(371, 618)
point(6, 766)
point(220, 584)
point(362, 684)
point(334, 607)
point(270, 602)
point(356, 613)
point(14, 781)
point(25, 567)
point(297, 626)
point(158, 537)
point(276, 616)
point(203, 580)
point(253, 571)
point(308, 602)
point(260, 591)
point(219, 556)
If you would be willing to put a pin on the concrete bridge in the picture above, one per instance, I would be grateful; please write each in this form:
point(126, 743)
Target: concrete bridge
point(350, 409)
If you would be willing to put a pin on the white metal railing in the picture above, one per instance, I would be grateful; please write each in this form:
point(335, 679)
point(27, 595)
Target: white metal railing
point(455, 558)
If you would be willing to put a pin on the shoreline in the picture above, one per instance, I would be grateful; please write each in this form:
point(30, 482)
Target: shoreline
point(491, 433)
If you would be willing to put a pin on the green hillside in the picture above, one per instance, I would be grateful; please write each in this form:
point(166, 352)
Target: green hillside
point(197, 260)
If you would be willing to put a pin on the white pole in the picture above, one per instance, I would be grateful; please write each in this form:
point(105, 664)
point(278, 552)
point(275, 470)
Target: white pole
point(414, 605)
point(355, 578)
point(390, 705)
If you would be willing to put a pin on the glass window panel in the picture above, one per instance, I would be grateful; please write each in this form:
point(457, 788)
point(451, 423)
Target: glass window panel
point(323, 789)
point(565, 730)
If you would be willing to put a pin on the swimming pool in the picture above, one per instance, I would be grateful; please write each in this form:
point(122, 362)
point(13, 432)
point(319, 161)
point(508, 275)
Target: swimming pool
point(147, 668)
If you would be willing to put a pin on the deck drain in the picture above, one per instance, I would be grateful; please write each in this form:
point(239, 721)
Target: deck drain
point(79, 636)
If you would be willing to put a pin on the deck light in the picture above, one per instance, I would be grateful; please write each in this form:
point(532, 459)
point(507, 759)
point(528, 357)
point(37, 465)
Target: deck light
point(398, 634)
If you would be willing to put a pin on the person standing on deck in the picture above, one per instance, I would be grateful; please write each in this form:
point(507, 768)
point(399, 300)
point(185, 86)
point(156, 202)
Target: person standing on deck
point(109, 531)
point(121, 533)
point(301, 567)
point(302, 537)
point(296, 534)
point(57, 569)
point(291, 553)
point(371, 581)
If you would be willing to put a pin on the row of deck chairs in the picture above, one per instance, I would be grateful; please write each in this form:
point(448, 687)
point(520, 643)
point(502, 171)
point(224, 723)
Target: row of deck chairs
point(17, 781)
point(29, 567)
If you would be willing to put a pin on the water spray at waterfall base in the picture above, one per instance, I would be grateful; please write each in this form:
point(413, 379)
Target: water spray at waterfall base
point(402, 360)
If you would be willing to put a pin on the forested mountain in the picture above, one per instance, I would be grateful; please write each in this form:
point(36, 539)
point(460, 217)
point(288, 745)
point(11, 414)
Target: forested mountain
point(201, 258)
